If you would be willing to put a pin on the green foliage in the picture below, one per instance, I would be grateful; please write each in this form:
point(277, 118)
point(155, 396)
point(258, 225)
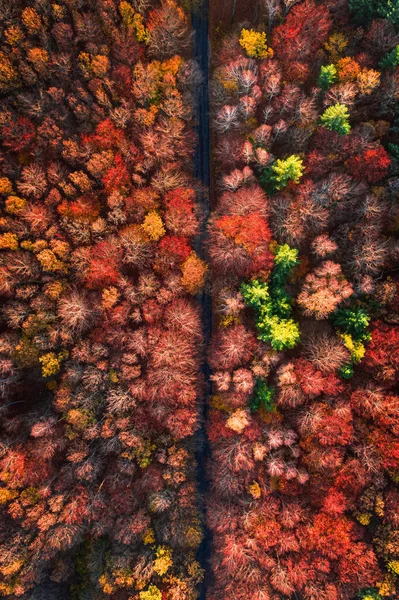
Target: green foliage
point(393, 150)
point(263, 396)
point(388, 9)
point(256, 294)
point(282, 172)
point(336, 118)
point(290, 169)
point(354, 324)
point(346, 371)
point(280, 332)
point(328, 76)
point(369, 594)
point(272, 304)
point(364, 11)
point(285, 259)
point(354, 321)
point(391, 59)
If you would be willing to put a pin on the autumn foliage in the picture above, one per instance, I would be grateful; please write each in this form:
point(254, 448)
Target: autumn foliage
point(303, 415)
point(116, 480)
point(100, 330)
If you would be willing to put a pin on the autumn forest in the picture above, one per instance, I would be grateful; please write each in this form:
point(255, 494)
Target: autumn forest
point(199, 300)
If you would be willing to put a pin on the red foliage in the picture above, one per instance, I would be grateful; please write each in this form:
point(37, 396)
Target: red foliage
point(382, 354)
point(175, 247)
point(18, 135)
point(118, 176)
point(180, 217)
point(240, 244)
point(301, 34)
point(372, 165)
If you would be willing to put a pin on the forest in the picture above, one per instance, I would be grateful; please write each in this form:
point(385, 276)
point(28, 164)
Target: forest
point(199, 384)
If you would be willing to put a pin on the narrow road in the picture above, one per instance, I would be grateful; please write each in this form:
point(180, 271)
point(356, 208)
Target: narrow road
point(202, 174)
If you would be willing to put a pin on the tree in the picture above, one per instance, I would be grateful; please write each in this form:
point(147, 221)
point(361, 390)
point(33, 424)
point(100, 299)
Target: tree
point(336, 118)
point(255, 44)
point(302, 32)
point(328, 76)
point(272, 304)
point(391, 59)
point(365, 10)
point(372, 165)
point(168, 32)
point(282, 172)
point(240, 244)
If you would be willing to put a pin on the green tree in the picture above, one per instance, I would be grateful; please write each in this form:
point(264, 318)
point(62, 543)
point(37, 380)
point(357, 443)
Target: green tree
point(328, 76)
point(272, 304)
point(391, 59)
point(354, 321)
point(263, 396)
point(282, 172)
point(336, 118)
point(364, 11)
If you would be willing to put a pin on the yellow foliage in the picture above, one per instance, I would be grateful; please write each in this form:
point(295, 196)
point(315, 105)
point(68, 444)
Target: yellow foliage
point(163, 560)
point(172, 65)
point(254, 490)
point(255, 44)
point(124, 578)
point(149, 537)
point(193, 536)
point(387, 587)
point(153, 225)
point(27, 354)
point(363, 518)
point(49, 261)
point(8, 241)
point(50, 363)
point(195, 571)
point(5, 183)
point(7, 495)
point(153, 593)
point(135, 21)
point(112, 376)
point(80, 179)
point(227, 320)
point(60, 248)
point(379, 505)
point(37, 245)
point(217, 402)
point(58, 11)
point(356, 349)
point(336, 44)
point(193, 270)
point(393, 566)
point(78, 418)
point(142, 34)
point(15, 205)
